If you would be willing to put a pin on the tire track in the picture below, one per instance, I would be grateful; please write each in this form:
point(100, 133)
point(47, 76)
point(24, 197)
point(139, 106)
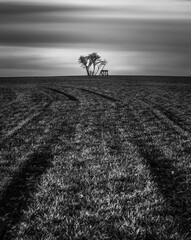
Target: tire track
point(70, 97)
point(172, 103)
point(177, 111)
point(17, 194)
point(9, 104)
point(7, 95)
point(46, 94)
point(167, 117)
point(14, 150)
point(171, 182)
point(95, 93)
point(25, 122)
point(99, 94)
point(21, 104)
point(21, 112)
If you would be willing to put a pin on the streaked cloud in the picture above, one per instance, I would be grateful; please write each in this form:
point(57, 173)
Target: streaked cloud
point(137, 38)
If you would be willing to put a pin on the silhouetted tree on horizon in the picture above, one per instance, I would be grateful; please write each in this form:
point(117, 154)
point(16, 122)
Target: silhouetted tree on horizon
point(92, 63)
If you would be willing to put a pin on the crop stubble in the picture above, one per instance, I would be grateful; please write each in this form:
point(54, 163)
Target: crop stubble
point(114, 159)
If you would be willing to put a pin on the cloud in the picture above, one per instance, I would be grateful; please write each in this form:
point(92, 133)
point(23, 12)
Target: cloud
point(38, 38)
point(19, 12)
point(43, 25)
point(154, 37)
point(19, 8)
point(121, 34)
point(22, 61)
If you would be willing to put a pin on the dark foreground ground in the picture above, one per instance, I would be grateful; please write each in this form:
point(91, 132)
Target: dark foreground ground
point(95, 158)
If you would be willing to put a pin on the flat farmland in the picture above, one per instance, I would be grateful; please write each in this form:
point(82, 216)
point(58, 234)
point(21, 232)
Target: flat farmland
point(95, 158)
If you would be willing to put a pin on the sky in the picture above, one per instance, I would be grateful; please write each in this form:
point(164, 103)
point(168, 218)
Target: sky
point(136, 37)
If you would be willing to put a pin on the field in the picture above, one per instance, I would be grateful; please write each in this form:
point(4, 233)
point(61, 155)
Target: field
point(95, 158)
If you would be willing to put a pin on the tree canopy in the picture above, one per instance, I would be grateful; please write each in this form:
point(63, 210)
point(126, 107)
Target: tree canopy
point(92, 63)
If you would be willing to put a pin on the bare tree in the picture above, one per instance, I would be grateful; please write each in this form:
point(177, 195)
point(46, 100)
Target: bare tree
point(92, 63)
point(95, 59)
point(101, 66)
point(85, 63)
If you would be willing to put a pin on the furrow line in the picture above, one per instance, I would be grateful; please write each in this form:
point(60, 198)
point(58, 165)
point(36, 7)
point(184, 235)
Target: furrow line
point(25, 122)
point(99, 94)
point(17, 194)
point(167, 117)
point(169, 179)
point(70, 97)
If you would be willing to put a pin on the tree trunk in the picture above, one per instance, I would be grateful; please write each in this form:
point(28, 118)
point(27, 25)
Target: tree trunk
point(87, 70)
point(93, 70)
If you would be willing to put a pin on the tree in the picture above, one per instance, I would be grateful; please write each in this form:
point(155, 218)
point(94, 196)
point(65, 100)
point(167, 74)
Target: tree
point(85, 63)
point(101, 66)
point(92, 63)
point(95, 59)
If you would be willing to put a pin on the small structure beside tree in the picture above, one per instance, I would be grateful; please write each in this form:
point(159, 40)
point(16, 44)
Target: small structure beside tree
point(93, 64)
point(104, 73)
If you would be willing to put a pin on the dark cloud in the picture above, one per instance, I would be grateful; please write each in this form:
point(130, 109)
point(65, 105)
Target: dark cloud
point(11, 12)
point(38, 38)
point(66, 24)
point(119, 34)
point(160, 43)
point(165, 35)
point(20, 63)
point(10, 8)
point(164, 63)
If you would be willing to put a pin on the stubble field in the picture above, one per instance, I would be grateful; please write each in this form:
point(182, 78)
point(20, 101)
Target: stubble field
point(95, 158)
